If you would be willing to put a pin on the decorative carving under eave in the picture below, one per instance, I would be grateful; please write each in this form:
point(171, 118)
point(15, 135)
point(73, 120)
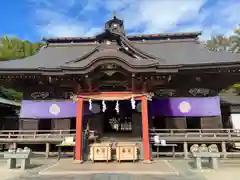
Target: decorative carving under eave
point(199, 91)
point(89, 83)
point(39, 95)
point(202, 92)
point(109, 66)
point(165, 92)
point(151, 82)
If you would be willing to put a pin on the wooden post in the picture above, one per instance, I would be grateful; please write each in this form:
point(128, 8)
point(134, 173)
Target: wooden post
point(145, 133)
point(12, 145)
point(185, 149)
point(47, 150)
point(79, 132)
point(224, 150)
point(133, 83)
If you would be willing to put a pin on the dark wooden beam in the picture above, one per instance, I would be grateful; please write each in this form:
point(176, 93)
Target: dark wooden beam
point(89, 83)
point(133, 83)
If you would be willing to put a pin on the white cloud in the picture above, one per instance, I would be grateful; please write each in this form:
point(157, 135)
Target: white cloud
point(81, 18)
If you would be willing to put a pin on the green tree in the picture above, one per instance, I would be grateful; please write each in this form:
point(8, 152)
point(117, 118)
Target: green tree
point(232, 44)
point(235, 41)
point(14, 48)
point(10, 94)
point(218, 43)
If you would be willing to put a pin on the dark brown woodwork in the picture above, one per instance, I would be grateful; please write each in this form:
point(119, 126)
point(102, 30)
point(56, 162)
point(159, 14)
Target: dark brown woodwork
point(182, 82)
point(61, 124)
point(211, 122)
point(77, 88)
point(144, 87)
point(133, 83)
point(89, 83)
point(176, 123)
point(29, 124)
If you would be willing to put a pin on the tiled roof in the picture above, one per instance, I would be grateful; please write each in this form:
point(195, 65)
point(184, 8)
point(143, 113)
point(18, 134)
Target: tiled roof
point(160, 50)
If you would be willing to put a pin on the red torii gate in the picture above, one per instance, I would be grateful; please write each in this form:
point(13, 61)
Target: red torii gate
point(111, 96)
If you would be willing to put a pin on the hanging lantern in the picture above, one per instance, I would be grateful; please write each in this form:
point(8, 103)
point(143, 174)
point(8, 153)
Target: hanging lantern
point(117, 107)
point(90, 104)
point(104, 107)
point(95, 108)
point(133, 103)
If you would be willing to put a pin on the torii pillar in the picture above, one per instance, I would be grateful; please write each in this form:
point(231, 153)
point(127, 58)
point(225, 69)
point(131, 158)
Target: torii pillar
point(79, 132)
point(145, 131)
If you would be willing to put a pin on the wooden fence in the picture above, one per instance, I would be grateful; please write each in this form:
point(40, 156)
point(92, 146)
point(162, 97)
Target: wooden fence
point(185, 137)
point(34, 136)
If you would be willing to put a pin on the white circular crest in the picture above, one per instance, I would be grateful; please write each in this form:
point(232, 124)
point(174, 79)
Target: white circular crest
point(184, 107)
point(54, 109)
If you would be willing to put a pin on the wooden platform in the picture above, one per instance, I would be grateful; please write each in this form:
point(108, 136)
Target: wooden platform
point(67, 166)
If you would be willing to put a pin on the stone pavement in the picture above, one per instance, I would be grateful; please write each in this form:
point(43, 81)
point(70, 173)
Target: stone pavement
point(9, 174)
point(106, 177)
point(38, 164)
point(228, 170)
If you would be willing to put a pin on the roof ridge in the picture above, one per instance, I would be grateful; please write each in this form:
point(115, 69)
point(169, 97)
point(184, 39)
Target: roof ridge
point(129, 37)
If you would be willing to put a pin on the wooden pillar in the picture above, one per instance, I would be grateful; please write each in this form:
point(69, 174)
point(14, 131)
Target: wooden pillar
point(185, 149)
point(224, 149)
point(133, 83)
point(145, 133)
point(47, 150)
point(79, 132)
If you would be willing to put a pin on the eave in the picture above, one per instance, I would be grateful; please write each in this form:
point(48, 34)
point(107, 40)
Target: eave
point(203, 66)
point(155, 68)
point(72, 71)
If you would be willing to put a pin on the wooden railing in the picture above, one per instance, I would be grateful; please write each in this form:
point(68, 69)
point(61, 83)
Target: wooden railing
point(210, 135)
point(186, 137)
point(34, 136)
point(38, 131)
point(178, 136)
point(174, 135)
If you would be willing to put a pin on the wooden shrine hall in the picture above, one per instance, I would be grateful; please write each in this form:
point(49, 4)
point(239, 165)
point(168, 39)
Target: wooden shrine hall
point(115, 66)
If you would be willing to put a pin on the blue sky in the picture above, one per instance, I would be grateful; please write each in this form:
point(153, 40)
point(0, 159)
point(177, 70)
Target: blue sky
point(33, 19)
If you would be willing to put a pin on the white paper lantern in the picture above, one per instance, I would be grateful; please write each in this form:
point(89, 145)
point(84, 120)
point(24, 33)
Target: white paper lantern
point(95, 108)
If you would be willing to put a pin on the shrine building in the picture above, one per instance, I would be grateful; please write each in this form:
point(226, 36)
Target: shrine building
point(122, 85)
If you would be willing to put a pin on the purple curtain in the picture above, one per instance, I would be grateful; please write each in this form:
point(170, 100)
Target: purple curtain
point(205, 106)
point(50, 109)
